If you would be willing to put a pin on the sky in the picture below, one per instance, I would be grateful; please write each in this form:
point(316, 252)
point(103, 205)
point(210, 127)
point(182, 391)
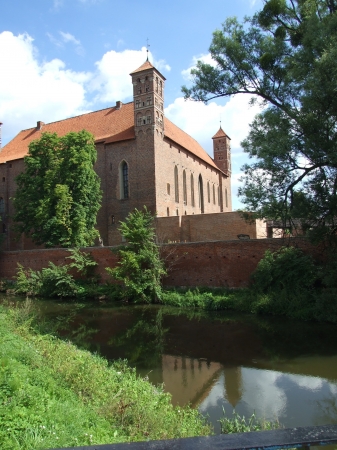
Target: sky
point(62, 58)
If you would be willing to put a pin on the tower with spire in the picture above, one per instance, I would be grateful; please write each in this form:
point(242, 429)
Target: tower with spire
point(148, 96)
point(222, 151)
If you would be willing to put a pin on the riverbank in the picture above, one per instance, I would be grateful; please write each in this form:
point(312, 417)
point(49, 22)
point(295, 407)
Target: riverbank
point(317, 305)
point(55, 395)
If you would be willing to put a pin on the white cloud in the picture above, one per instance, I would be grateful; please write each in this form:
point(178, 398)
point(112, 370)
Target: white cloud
point(67, 37)
point(207, 59)
point(112, 79)
point(31, 91)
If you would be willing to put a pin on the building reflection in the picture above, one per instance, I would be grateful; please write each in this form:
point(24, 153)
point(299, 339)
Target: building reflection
point(190, 380)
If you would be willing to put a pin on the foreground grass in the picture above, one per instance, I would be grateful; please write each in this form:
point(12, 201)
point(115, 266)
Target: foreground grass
point(55, 395)
point(318, 305)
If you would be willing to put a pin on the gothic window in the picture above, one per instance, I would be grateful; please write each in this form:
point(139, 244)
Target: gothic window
point(156, 84)
point(137, 103)
point(156, 102)
point(208, 193)
point(139, 120)
point(219, 196)
point(157, 118)
point(124, 180)
point(168, 188)
point(2, 205)
point(192, 190)
point(148, 101)
point(147, 88)
point(168, 211)
point(213, 194)
point(161, 89)
point(176, 184)
point(201, 194)
point(184, 188)
point(139, 90)
point(148, 118)
point(226, 198)
point(161, 120)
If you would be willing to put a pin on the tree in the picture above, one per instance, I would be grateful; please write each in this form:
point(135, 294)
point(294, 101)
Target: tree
point(286, 57)
point(140, 267)
point(58, 194)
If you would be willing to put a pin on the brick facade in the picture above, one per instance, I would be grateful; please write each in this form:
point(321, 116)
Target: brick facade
point(216, 263)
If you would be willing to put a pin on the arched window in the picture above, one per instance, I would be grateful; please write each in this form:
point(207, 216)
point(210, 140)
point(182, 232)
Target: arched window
point(184, 188)
point(208, 193)
point(218, 195)
point(213, 194)
point(161, 89)
point(2, 205)
point(139, 119)
point(226, 198)
point(176, 184)
point(156, 84)
point(201, 194)
point(192, 190)
point(124, 180)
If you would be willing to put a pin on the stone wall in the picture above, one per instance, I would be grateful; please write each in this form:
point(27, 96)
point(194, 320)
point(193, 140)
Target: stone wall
point(217, 263)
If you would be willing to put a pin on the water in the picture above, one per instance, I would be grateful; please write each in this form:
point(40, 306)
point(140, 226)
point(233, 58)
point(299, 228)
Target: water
point(280, 369)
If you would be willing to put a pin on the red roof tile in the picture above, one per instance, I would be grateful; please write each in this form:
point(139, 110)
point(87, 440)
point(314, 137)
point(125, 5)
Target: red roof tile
point(145, 66)
point(107, 125)
point(220, 133)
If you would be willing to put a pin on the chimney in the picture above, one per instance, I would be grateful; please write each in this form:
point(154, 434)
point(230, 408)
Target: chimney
point(39, 125)
point(0, 133)
point(119, 104)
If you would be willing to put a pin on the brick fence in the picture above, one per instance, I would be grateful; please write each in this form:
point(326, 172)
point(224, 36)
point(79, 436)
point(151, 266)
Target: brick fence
point(214, 263)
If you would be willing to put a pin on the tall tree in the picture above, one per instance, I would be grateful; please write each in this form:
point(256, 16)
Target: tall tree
point(58, 194)
point(140, 268)
point(286, 57)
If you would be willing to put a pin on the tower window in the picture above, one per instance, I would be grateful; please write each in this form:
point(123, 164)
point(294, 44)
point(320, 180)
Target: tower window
point(2, 205)
point(148, 101)
point(148, 119)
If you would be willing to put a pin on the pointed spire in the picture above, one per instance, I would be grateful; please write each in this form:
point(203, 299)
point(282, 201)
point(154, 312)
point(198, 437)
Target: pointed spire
point(220, 133)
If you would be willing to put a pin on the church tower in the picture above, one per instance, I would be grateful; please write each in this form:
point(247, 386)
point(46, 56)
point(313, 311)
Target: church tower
point(148, 96)
point(222, 151)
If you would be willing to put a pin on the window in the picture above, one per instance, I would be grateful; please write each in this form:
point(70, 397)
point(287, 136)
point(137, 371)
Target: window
point(226, 198)
point(3, 179)
point(168, 188)
point(124, 180)
point(192, 190)
point(161, 89)
point(2, 205)
point(219, 196)
point(176, 184)
point(201, 194)
point(156, 84)
point(139, 119)
point(184, 188)
point(148, 119)
point(137, 103)
point(208, 193)
point(148, 101)
point(168, 211)
point(213, 194)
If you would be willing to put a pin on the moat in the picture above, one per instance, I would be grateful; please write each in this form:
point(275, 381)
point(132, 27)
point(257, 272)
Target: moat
point(280, 369)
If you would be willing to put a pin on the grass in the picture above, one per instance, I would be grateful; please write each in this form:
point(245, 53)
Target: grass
point(54, 395)
point(241, 424)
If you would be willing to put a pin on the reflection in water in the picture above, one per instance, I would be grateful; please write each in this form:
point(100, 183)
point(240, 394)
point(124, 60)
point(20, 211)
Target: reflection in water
point(279, 370)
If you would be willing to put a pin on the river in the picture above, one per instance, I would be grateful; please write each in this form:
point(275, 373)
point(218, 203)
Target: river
point(278, 368)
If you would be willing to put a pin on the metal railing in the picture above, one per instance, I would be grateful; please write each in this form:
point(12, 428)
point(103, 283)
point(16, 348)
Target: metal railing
point(267, 440)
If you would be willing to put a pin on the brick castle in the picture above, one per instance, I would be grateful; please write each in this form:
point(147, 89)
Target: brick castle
point(142, 159)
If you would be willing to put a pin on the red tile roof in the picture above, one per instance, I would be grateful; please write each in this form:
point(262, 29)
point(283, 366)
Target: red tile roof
point(220, 133)
point(107, 125)
point(145, 66)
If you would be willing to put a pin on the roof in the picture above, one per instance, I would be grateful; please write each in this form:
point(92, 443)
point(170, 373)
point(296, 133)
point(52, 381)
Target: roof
point(145, 66)
point(220, 133)
point(107, 125)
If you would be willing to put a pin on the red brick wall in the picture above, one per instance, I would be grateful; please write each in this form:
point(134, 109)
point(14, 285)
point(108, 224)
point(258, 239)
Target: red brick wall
point(218, 263)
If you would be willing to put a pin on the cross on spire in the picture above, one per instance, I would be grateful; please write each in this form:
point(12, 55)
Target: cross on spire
point(147, 49)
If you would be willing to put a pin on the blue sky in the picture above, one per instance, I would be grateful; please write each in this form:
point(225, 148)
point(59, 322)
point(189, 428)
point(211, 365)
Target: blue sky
point(61, 58)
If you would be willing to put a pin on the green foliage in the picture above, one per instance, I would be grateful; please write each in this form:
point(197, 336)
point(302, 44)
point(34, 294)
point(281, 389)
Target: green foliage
point(286, 269)
point(140, 268)
point(54, 395)
point(286, 58)
point(58, 194)
point(55, 281)
point(239, 424)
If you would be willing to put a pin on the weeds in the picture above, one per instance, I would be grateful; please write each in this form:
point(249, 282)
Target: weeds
point(240, 424)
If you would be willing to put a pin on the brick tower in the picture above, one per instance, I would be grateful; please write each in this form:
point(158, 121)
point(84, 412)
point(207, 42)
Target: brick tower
point(222, 151)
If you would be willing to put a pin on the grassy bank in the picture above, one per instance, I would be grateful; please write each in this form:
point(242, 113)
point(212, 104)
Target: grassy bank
point(54, 395)
point(315, 304)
